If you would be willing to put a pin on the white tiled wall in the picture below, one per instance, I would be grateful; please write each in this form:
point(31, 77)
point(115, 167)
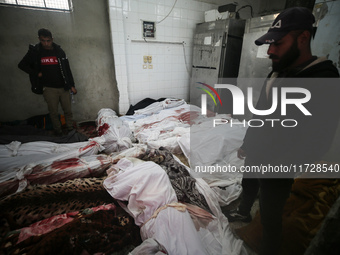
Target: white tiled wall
point(171, 51)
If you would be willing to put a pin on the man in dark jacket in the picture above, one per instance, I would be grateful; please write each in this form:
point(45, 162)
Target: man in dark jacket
point(50, 75)
point(276, 145)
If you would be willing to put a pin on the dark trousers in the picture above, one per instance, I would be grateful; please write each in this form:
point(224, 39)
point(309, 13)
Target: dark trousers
point(54, 96)
point(273, 196)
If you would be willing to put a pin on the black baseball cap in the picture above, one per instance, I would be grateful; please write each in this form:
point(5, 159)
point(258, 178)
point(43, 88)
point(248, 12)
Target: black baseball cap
point(295, 18)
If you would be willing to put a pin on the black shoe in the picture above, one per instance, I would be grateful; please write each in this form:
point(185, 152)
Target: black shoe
point(235, 215)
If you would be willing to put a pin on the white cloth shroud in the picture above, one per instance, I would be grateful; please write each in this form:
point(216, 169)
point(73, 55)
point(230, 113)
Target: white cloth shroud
point(35, 153)
point(158, 106)
point(206, 145)
point(115, 135)
point(164, 128)
point(146, 187)
point(53, 172)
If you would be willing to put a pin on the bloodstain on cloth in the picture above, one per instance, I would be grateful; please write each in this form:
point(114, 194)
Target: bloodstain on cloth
point(89, 129)
point(102, 129)
point(102, 232)
point(67, 163)
point(54, 222)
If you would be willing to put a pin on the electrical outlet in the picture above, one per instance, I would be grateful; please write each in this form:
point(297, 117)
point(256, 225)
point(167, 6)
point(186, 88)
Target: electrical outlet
point(145, 58)
point(149, 59)
point(145, 66)
point(150, 66)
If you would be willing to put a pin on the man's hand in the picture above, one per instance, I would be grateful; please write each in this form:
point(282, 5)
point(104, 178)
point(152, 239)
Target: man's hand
point(74, 90)
point(241, 154)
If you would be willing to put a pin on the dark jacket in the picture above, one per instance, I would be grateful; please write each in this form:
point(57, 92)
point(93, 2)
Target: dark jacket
point(313, 136)
point(31, 65)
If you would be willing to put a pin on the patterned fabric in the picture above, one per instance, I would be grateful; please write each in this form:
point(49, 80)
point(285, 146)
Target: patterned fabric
point(105, 232)
point(43, 201)
point(181, 181)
